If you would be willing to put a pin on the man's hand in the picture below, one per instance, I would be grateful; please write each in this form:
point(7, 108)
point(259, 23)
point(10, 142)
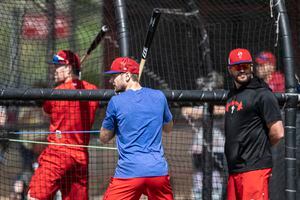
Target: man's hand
point(168, 127)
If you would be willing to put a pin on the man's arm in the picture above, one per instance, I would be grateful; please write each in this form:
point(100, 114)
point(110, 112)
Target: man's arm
point(197, 112)
point(276, 132)
point(168, 127)
point(106, 135)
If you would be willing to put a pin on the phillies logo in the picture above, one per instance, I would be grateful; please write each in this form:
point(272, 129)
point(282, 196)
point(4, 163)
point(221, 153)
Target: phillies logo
point(240, 54)
point(234, 105)
point(123, 64)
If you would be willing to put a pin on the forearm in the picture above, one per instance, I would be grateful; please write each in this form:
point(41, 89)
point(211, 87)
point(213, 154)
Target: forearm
point(106, 135)
point(276, 132)
point(274, 140)
point(168, 127)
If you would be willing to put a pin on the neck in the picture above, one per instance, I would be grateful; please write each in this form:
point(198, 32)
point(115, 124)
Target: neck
point(72, 77)
point(237, 85)
point(133, 85)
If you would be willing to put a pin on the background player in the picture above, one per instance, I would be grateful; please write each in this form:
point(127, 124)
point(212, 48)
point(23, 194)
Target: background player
point(266, 69)
point(65, 168)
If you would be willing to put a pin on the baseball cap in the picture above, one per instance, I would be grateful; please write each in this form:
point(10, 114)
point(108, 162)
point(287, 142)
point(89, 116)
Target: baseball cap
point(238, 56)
point(265, 57)
point(123, 64)
point(66, 57)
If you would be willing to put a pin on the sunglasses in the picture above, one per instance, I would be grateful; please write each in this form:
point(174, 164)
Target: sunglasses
point(57, 60)
point(239, 67)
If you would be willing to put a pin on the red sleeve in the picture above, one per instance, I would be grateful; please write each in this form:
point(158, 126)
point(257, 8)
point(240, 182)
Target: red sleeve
point(47, 107)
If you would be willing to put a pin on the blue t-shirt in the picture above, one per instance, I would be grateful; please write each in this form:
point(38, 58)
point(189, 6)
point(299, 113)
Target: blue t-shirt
point(137, 118)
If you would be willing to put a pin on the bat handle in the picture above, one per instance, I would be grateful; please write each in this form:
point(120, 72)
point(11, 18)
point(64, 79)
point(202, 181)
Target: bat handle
point(83, 58)
point(81, 61)
point(104, 28)
point(141, 67)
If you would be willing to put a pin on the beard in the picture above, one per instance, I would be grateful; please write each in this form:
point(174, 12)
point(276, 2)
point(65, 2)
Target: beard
point(243, 78)
point(119, 89)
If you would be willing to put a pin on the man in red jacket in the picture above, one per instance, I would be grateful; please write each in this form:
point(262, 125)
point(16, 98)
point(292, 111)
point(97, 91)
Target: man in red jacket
point(63, 165)
point(266, 69)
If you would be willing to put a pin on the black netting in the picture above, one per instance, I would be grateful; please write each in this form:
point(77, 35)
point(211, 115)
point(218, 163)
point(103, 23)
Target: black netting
point(193, 38)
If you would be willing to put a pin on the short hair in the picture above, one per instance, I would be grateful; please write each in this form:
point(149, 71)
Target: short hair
point(75, 71)
point(135, 77)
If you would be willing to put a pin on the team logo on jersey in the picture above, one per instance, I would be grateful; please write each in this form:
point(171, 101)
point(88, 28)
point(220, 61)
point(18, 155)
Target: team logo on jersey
point(234, 106)
point(58, 134)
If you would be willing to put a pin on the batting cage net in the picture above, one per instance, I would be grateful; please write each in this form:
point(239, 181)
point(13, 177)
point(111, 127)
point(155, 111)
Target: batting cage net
point(189, 52)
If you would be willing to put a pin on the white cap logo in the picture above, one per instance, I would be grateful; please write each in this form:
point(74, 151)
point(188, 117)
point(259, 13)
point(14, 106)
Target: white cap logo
point(240, 54)
point(123, 65)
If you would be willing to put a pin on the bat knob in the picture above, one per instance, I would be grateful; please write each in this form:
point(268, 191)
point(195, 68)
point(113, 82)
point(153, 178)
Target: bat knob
point(104, 28)
point(156, 10)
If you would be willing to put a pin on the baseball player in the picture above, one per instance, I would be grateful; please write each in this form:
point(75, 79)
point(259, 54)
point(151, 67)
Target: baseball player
point(137, 117)
point(252, 125)
point(65, 168)
point(266, 69)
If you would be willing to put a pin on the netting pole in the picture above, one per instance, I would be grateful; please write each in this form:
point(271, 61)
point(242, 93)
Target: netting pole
point(122, 27)
point(14, 79)
point(51, 16)
point(207, 121)
point(291, 104)
point(73, 23)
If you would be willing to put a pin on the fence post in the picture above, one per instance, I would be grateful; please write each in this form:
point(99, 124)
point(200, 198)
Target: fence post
point(122, 27)
point(291, 104)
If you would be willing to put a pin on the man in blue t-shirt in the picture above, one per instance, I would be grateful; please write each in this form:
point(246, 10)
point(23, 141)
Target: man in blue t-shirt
point(137, 117)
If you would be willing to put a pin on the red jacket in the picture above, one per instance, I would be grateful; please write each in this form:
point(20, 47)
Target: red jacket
point(276, 82)
point(71, 116)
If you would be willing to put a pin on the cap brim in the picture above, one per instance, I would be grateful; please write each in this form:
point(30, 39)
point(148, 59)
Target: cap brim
point(241, 62)
point(53, 63)
point(112, 72)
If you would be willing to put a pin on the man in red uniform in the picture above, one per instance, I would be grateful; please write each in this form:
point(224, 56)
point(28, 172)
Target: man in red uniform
point(266, 69)
point(61, 166)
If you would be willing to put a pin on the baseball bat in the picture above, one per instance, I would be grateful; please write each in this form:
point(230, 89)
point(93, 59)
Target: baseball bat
point(149, 37)
point(95, 43)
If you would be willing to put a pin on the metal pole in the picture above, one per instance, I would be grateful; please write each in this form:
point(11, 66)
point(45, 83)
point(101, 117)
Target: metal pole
point(207, 120)
point(51, 16)
point(122, 27)
point(291, 104)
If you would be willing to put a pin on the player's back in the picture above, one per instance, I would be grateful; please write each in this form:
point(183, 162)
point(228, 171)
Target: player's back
point(140, 117)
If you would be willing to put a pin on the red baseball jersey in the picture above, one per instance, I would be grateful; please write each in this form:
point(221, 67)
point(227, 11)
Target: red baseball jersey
point(72, 116)
point(277, 82)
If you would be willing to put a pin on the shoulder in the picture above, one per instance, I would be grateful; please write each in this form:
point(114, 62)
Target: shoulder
point(278, 74)
point(154, 92)
point(119, 98)
point(61, 86)
point(264, 94)
point(88, 85)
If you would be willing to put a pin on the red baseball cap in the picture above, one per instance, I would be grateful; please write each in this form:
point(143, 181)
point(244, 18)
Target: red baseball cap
point(238, 56)
point(66, 57)
point(123, 64)
point(265, 57)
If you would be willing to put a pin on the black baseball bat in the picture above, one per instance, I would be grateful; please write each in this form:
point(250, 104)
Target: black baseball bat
point(95, 42)
point(149, 37)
